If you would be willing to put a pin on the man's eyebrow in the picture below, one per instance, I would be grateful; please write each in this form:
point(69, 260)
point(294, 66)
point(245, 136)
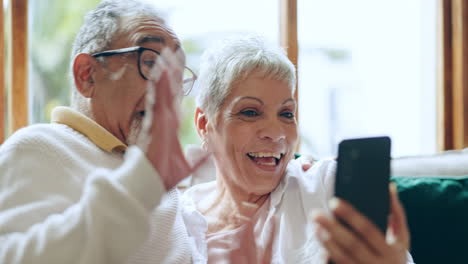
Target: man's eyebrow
point(146, 39)
point(156, 39)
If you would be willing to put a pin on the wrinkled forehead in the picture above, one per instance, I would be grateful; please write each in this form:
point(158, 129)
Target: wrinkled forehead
point(143, 31)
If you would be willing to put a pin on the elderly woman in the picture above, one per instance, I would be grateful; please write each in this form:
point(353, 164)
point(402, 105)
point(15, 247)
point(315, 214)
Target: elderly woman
point(262, 199)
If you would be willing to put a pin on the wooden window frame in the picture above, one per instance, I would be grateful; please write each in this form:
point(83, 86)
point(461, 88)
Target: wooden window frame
point(452, 93)
point(2, 75)
point(452, 126)
point(14, 107)
point(288, 31)
point(289, 42)
point(18, 106)
point(444, 91)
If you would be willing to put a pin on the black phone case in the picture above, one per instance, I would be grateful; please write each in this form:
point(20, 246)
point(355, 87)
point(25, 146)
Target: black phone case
point(362, 177)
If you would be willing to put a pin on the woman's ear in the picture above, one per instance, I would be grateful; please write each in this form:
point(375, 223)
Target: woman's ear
point(201, 122)
point(84, 67)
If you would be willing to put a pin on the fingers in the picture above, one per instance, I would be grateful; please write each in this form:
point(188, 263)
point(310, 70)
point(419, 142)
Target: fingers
point(165, 96)
point(169, 72)
point(324, 257)
point(398, 223)
point(247, 250)
point(164, 114)
point(360, 224)
point(170, 83)
point(174, 67)
point(305, 167)
point(359, 240)
point(161, 124)
point(257, 241)
point(342, 244)
point(161, 94)
point(306, 161)
point(334, 252)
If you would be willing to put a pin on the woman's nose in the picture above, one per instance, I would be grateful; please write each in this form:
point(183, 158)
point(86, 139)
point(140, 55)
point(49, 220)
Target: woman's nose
point(272, 130)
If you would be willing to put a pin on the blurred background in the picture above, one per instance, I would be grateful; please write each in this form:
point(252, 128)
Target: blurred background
point(365, 67)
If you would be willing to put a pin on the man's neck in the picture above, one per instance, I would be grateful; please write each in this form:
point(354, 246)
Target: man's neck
point(83, 106)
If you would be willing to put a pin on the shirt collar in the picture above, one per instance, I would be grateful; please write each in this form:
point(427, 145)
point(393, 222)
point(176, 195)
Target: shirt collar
point(88, 127)
point(291, 170)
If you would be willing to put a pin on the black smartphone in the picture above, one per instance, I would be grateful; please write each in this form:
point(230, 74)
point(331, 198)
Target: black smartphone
point(363, 175)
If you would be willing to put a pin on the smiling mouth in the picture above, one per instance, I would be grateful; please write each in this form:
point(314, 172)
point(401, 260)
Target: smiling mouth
point(266, 158)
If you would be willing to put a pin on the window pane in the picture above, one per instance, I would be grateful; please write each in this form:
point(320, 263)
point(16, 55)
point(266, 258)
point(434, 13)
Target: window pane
point(201, 23)
point(198, 24)
point(367, 68)
point(52, 29)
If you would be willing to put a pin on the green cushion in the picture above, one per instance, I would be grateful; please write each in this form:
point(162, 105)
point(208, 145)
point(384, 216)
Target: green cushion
point(437, 212)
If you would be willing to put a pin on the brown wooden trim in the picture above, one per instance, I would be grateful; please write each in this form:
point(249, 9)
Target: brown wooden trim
point(453, 75)
point(18, 113)
point(460, 73)
point(444, 91)
point(288, 38)
point(2, 75)
point(288, 30)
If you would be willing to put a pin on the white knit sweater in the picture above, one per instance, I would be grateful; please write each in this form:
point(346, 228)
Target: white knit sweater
point(65, 200)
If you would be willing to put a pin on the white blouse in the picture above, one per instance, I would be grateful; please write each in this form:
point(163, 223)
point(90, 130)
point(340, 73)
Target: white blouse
point(292, 202)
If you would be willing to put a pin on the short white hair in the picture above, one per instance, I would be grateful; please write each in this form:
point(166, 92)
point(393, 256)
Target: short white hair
point(232, 61)
point(102, 25)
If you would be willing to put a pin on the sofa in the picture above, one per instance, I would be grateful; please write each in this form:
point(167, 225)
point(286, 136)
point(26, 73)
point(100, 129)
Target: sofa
point(434, 192)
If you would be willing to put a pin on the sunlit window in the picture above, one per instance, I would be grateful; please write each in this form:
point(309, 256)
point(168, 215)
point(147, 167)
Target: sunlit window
point(201, 23)
point(367, 68)
point(198, 24)
point(53, 25)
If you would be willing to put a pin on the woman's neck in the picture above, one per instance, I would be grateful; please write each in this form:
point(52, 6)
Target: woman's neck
point(229, 206)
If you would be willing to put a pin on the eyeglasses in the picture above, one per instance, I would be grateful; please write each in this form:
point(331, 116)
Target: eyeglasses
point(146, 60)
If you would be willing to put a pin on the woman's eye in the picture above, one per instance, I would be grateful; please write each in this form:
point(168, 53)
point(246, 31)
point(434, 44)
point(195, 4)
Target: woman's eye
point(288, 115)
point(249, 113)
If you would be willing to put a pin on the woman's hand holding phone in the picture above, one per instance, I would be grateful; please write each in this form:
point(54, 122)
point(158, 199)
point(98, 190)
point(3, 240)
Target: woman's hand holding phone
point(350, 237)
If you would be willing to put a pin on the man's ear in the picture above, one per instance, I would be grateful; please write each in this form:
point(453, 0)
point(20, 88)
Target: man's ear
point(84, 67)
point(201, 122)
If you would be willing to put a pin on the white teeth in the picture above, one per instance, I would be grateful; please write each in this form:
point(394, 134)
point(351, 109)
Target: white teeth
point(267, 163)
point(265, 154)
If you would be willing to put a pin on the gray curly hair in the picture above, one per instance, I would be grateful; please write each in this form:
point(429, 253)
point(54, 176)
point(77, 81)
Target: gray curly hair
point(99, 29)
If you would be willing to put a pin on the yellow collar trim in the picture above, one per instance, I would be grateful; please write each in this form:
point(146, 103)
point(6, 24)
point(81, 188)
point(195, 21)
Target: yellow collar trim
point(88, 127)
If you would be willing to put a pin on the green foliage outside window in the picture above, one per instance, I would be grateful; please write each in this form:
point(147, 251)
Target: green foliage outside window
point(52, 29)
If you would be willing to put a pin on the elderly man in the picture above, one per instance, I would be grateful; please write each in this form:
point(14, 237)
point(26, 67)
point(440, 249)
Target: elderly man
point(72, 191)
